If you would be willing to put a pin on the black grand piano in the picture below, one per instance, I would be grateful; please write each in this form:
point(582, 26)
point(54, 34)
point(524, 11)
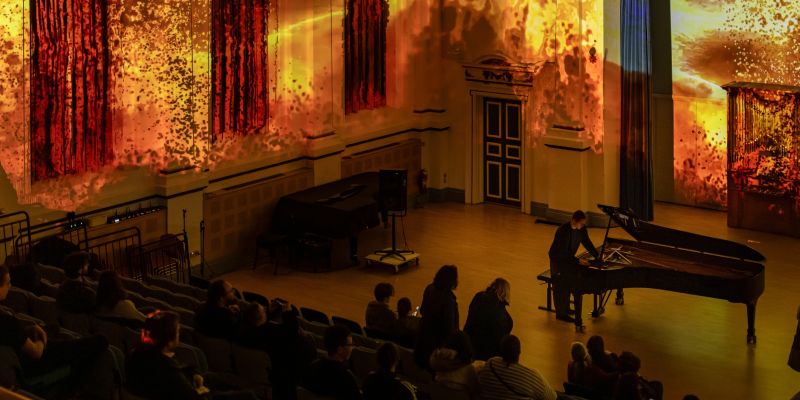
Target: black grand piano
point(339, 209)
point(674, 260)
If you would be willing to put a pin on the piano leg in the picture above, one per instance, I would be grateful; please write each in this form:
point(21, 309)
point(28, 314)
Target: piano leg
point(578, 302)
point(620, 300)
point(751, 323)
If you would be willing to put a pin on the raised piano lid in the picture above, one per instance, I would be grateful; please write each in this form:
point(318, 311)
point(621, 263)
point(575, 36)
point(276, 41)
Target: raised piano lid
point(646, 232)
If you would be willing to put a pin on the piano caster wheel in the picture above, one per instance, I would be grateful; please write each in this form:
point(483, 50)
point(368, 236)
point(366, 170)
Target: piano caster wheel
point(751, 339)
point(619, 301)
point(595, 314)
point(580, 329)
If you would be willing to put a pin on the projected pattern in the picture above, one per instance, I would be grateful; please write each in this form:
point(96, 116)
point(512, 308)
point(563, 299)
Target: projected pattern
point(716, 42)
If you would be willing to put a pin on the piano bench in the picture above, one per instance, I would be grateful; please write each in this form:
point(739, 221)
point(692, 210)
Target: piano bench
point(313, 247)
point(546, 278)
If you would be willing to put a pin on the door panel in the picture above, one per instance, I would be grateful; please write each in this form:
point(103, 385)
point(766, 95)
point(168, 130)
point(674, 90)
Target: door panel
point(502, 135)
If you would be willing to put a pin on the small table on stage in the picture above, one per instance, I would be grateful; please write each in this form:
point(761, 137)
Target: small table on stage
point(340, 209)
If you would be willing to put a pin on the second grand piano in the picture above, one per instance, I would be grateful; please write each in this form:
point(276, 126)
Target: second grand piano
point(674, 260)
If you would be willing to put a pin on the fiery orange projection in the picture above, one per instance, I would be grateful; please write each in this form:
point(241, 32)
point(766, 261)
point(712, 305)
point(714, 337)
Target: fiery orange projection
point(554, 38)
point(715, 42)
point(161, 69)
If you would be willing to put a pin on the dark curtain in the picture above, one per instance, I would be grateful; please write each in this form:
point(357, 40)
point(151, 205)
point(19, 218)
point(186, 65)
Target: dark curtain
point(70, 87)
point(239, 84)
point(365, 54)
point(636, 170)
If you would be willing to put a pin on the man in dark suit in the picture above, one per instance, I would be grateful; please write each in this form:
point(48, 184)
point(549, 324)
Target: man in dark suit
point(564, 267)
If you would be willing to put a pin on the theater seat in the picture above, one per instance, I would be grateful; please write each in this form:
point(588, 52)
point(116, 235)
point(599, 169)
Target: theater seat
point(438, 391)
point(305, 394)
point(364, 361)
point(217, 351)
point(312, 315)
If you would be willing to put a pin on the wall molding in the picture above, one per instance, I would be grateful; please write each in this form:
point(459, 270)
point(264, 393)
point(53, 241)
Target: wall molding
point(446, 195)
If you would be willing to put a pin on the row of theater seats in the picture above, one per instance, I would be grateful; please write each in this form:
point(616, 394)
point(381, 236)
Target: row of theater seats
point(244, 367)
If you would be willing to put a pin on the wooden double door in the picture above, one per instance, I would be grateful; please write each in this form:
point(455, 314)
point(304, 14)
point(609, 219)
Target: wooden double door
point(502, 151)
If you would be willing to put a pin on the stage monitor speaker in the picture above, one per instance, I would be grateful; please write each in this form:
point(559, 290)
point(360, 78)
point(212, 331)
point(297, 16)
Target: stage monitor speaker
point(393, 189)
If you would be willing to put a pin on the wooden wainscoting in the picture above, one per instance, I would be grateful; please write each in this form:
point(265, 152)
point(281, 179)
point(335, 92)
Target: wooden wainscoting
point(405, 155)
point(151, 226)
point(234, 216)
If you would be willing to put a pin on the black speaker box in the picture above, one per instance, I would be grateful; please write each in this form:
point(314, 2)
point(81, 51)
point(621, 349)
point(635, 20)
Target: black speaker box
point(393, 189)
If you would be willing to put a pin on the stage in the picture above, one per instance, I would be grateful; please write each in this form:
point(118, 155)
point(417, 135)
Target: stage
point(692, 344)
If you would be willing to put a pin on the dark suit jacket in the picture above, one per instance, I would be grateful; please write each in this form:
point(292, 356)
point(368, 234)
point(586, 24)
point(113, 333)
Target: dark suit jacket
point(564, 248)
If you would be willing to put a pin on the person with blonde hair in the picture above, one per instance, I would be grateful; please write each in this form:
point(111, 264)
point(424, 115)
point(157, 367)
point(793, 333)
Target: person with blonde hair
point(488, 321)
point(583, 372)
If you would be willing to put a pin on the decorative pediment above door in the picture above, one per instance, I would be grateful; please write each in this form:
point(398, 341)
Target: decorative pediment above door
point(499, 69)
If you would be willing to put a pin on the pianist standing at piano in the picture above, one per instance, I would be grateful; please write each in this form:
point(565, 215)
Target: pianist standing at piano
point(565, 269)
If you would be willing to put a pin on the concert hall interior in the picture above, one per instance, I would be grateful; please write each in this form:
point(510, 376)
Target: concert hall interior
point(630, 168)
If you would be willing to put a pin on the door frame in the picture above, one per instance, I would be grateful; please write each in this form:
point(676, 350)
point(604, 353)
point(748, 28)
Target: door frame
point(475, 177)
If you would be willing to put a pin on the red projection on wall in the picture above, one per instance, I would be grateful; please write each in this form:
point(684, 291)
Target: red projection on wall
point(70, 87)
point(365, 54)
point(239, 82)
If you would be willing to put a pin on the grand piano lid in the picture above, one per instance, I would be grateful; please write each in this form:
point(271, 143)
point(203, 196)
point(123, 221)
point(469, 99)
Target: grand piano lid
point(646, 232)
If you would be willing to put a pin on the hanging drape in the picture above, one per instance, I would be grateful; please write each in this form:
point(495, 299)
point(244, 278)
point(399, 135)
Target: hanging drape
point(71, 85)
point(239, 84)
point(365, 54)
point(636, 170)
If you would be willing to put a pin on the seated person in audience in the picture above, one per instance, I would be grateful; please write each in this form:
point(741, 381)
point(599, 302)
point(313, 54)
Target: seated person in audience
point(219, 315)
point(290, 353)
point(632, 386)
point(112, 299)
point(453, 364)
point(24, 275)
point(38, 355)
point(330, 376)
point(151, 370)
point(379, 315)
point(408, 324)
point(74, 294)
point(52, 251)
point(504, 378)
point(383, 384)
point(153, 373)
point(601, 358)
point(581, 371)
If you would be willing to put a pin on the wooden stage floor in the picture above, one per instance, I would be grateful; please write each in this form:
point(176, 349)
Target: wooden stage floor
point(692, 344)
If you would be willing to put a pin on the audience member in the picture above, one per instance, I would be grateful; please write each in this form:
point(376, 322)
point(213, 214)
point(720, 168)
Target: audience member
point(39, 356)
point(439, 311)
point(453, 364)
point(112, 299)
point(219, 315)
point(379, 315)
point(52, 251)
point(504, 378)
point(630, 385)
point(74, 294)
point(384, 384)
point(152, 371)
point(408, 325)
point(601, 358)
point(488, 321)
point(290, 352)
point(24, 275)
point(581, 371)
point(330, 376)
point(794, 353)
